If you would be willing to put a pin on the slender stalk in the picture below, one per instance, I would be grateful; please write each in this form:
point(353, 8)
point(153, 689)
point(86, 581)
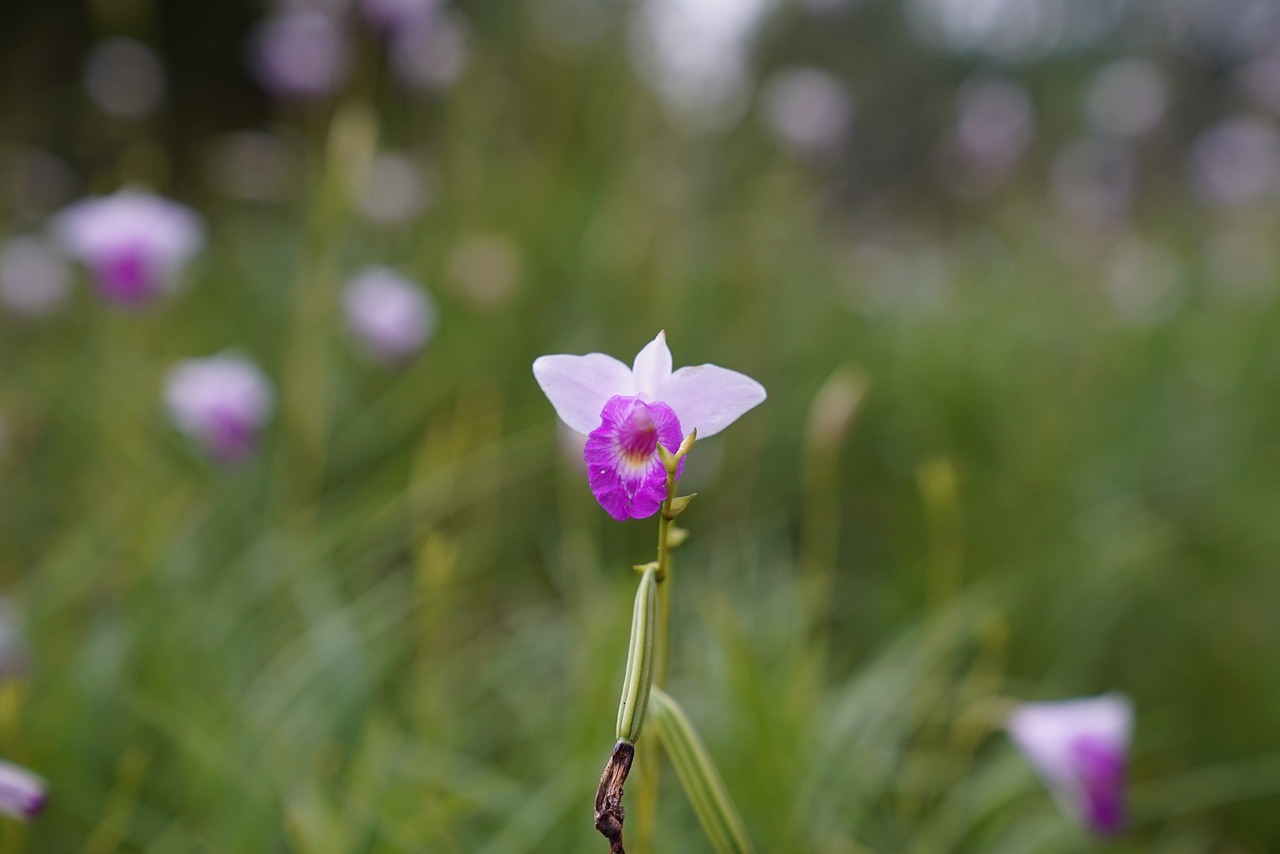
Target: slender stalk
point(649, 758)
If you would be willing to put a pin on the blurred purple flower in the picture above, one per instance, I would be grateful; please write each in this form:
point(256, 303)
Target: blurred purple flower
point(429, 52)
point(1080, 750)
point(34, 279)
point(22, 794)
point(300, 53)
point(994, 122)
point(1235, 162)
point(391, 15)
point(134, 244)
point(391, 316)
point(707, 398)
point(221, 402)
point(624, 468)
point(808, 109)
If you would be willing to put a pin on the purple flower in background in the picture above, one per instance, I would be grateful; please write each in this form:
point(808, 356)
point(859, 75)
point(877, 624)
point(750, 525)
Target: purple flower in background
point(1079, 748)
point(221, 402)
point(134, 244)
point(624, 468)
point(1236, 162)
point(626, 412)
point(300, 54)
point(429, 51)
point(391, 316)
point(22, 794)
point(394, 14)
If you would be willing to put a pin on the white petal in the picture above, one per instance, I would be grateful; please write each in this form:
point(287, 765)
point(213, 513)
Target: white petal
point(579, 386)
point(652, 366)
point(1045, 732)
point(709, 397)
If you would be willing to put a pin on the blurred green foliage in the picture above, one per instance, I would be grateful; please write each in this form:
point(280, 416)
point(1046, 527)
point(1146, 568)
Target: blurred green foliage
point(403, 627)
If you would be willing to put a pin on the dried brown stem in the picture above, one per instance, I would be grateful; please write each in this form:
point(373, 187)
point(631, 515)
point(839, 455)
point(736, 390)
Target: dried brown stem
point(609, 812)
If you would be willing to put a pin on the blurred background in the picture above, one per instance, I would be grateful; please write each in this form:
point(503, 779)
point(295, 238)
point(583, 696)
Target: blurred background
point(1009, 270)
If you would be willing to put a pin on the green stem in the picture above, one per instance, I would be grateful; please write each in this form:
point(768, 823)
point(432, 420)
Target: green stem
point(649, 753)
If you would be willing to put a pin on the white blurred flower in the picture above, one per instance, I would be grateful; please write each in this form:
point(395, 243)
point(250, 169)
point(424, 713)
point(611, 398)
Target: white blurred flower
point(807, 108)
point(134, 244)
point(389, 315)
point(124, 78)
point(1016, 30)
point(694, 53)
point(35, 279)
point(221, 402)
point(300, 54)
point(1236, 162)
point(1127, 98)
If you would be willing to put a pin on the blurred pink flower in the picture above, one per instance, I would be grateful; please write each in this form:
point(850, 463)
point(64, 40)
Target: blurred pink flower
point(134, 244)
point(300, 53)
point(1080, 750)
point(221, 402)
point(22, 794)
point(391, 316)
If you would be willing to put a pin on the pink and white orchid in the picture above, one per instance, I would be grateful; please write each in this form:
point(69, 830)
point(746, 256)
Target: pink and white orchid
point(1079, 748)
point(627, 411)
point(221, 402)
point(706, 398)
point(134, 244)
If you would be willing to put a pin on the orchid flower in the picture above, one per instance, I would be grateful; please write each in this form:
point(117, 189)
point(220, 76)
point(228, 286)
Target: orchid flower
point(22, 794)
point(133, 243)
point(1079, 748)
point(221, 402)
point(626, 412)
